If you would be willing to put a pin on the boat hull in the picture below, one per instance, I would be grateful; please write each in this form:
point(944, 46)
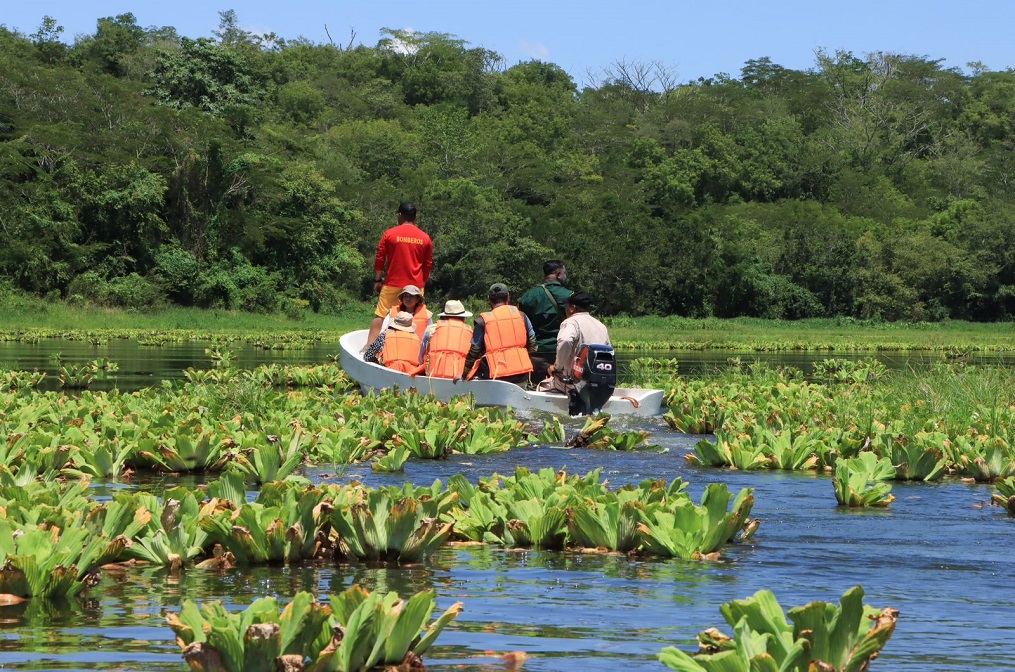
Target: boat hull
point(370, 376)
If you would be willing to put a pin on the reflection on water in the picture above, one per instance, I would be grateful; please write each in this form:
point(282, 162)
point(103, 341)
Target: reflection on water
point(938, 557)
point(143, 366)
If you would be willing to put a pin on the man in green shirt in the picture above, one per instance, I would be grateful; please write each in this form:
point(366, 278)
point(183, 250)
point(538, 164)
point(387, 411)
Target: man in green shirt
point(544, 306)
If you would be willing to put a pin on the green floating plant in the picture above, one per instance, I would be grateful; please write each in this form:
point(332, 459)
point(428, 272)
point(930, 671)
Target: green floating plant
point(394, 460)
point(734, 448)
point(373, 630)
point(261, 638)
point(822, 638)
point(187, 448)
point(919, 457)
point(611, 524)
point(982, 457)
point(282, 526)
point(106, 460)
point(358, 630)
point(378, 526)
point(1005, 495)
point(50, 562)
point(178, 538)
point(861, 481)
point(686, 530)
point(264, 458)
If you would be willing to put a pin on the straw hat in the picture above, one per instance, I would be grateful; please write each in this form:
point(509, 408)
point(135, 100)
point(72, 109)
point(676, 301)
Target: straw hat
point(402, 322)
point(454, 308)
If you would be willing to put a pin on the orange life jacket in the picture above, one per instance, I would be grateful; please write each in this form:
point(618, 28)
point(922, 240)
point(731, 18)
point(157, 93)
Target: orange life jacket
point(420, 319)
point(401, 350)
point(506, 340)
point(449, 345)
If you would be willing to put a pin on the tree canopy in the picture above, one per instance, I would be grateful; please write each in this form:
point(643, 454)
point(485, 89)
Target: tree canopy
point(138, 166)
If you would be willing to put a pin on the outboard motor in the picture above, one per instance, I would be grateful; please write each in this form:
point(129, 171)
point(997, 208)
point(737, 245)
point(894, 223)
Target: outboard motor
point(595, 378)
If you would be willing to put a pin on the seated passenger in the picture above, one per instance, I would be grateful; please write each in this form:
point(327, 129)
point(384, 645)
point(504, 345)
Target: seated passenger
point(578, 328)
point(502, 339)
point(446, 344)
point(397, 347)
point(410, 300)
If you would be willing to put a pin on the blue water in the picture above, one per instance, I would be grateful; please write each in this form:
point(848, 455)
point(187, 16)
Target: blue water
point(936, 554)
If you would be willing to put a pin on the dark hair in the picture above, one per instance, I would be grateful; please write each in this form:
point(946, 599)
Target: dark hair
point(408, 211)
point(580, 300)
point(552, 266)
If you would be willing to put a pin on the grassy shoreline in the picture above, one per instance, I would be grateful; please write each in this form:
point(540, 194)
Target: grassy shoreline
point(26, 313)
point(831, 335)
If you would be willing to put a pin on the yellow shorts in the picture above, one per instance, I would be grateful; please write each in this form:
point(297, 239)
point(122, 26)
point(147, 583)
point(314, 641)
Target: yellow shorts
point(387, 300)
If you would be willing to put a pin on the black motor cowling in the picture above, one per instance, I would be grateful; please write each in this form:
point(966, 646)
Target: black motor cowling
point(595, 376)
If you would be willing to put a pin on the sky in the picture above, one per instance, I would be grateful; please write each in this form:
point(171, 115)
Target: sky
point(691, 39)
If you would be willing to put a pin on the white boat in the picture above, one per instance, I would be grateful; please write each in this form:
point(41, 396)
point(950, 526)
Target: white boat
point(370, 376)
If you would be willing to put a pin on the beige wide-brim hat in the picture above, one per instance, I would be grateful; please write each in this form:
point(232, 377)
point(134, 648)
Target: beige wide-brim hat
point(411, 290)
point(454, 308)
point(402, 322)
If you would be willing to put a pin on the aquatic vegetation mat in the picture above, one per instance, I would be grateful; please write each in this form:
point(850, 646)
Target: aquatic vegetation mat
point(822, 638)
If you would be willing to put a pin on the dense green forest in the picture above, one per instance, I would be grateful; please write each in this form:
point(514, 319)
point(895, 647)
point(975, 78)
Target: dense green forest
point(138, 166)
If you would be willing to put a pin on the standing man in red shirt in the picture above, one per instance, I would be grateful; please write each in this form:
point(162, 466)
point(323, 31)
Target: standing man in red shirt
point(404, 257)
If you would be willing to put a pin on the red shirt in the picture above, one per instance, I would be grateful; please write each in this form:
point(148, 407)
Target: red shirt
point(408, 253)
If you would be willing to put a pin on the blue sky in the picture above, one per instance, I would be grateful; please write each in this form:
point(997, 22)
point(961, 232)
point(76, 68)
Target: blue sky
point(692, 38)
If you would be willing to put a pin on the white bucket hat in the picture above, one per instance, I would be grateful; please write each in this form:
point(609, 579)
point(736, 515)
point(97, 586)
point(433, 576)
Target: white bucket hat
point(454, 308)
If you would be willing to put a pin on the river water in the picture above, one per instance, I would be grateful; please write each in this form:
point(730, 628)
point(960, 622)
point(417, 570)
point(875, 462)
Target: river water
point(936, 554)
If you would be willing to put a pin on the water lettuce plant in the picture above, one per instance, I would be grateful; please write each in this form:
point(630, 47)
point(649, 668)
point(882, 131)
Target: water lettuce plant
point(357, 630)
point(392, 461)
point(862, 481)
point(688, 531)
point(187, 448)
point(263, 458)
point(178, 538)
point(106, 460)
point(47, 562)
point(919, 457)
point(430, 441)
point(730, 449)
point(13, 381)
point(1005, 495)
point(982, 457)
point(282, 526)
point(374, 629)
point(549, 509)
point(261, 638)
point(822, 638)
point(612, 524)
point(379, 526)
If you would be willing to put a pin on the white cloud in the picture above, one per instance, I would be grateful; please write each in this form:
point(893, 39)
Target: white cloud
point(535, 50)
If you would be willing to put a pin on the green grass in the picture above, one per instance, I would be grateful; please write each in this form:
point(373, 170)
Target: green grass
point(830, 335)
point(21, 312)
